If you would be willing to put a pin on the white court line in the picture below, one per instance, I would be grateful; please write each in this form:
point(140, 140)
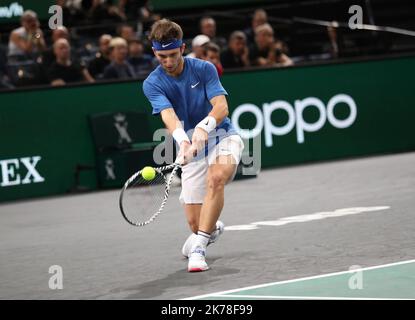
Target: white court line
point(307, 217)
point(299, 297)
point(220, 293)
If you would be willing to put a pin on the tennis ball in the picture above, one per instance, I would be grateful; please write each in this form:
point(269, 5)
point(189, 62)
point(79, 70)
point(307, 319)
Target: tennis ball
point(148, 173)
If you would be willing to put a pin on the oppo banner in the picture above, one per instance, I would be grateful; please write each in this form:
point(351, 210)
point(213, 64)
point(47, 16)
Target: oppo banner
point(300, 114)
point(295, 117)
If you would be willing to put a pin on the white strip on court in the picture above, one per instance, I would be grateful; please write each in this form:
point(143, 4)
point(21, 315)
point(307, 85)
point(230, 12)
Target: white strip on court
point(222, 293)
point(307, 217)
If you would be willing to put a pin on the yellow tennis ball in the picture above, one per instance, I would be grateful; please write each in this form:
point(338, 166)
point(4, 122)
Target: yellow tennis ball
point(148, 173)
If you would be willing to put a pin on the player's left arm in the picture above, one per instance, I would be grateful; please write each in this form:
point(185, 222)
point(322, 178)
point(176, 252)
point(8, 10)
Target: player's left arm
point(220, 108)
point(218, 113)
point(216, 95)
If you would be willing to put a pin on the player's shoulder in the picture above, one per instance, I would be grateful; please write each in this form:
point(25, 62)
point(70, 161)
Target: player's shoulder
point(154, 76)
point(153, 79)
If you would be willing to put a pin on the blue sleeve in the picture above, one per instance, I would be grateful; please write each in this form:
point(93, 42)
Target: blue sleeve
point(156, 97)
point(213, 86)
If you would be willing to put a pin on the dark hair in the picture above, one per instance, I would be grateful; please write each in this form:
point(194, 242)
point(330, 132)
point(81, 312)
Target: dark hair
point(165, 30)
point(28, 14)
point(126, 25)
point(206, 18)
point(135, 40)
point(237, 35)
point(210, 46)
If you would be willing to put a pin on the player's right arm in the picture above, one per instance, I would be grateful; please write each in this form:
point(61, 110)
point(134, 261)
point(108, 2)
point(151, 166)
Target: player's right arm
point(161, 105)
point(170, 119)
point(175, 128)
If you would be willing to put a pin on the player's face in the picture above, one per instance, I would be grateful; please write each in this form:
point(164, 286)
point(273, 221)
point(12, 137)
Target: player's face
point(170, 60)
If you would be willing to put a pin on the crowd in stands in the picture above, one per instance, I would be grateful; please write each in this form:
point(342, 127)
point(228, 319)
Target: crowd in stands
point(33, 59)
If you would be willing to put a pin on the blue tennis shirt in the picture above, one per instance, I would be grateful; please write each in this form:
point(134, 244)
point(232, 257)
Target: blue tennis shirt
point(189, 94)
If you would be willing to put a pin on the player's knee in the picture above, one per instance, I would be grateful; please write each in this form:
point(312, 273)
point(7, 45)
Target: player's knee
point(216, 180)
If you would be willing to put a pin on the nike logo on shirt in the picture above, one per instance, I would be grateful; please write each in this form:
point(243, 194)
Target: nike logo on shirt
point(194, 85)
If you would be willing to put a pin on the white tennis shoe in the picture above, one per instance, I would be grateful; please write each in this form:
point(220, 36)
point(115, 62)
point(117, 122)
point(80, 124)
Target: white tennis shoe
point(197, 262)
point(188, 245)
point(220, 227)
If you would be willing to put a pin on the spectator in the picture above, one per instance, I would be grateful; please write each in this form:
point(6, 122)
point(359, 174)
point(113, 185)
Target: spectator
point(197, 46)
point(334, 45)
point(102, 58)
point(278, 56)
point(267, 51)
point(260, 17)
point(237, 53)
point(63, 70)
point(116, 11)
point(139, 11)
point(135, 9)
point(28, 40)
point(126, 32)
point(211, 53)
point(71, 11)
point(208, 28)
point(48, 56)
point(60, 32)
point(264, 41)
point(98, 11)
point(119, 68)
point(141, 62)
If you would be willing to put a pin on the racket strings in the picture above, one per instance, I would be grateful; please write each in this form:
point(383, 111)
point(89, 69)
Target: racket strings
point(142, 198)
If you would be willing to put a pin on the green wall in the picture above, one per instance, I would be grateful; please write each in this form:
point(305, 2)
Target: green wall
point(52, 123)
point(383, 91)
point(11, 10)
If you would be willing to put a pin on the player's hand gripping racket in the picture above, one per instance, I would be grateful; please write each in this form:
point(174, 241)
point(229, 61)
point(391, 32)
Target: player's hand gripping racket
point(143, 196)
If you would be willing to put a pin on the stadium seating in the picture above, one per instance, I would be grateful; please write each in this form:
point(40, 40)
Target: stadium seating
point(306, 41)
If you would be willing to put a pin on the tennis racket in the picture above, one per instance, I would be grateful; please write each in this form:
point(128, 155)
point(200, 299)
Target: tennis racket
point(141, 201)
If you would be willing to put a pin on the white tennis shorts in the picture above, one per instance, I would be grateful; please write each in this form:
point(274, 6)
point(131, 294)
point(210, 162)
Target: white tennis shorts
point(194, 173)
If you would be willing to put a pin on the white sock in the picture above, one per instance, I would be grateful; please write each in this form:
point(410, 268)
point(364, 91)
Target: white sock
point(201, 240)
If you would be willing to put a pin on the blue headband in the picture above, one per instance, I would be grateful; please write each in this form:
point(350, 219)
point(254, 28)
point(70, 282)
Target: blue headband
point(167, 45)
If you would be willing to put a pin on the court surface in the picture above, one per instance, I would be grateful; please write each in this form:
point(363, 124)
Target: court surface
point(292, 233)
point(391, 281)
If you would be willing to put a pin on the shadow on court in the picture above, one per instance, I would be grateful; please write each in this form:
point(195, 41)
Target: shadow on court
point(180, 278)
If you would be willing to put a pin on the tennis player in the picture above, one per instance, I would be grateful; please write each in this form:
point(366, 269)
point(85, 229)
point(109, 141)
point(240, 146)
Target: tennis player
point(188, 95)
